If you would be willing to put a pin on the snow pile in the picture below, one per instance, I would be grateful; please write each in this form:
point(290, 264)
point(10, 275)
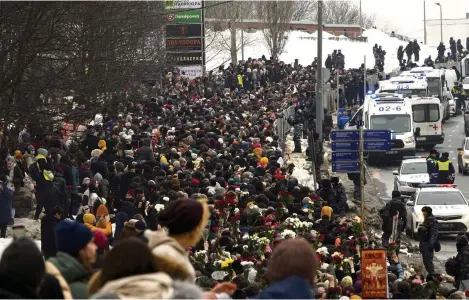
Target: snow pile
point(303, 46)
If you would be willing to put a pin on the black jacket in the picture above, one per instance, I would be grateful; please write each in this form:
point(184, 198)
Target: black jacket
point(390, 210)
point(11, 288)
point(48, 245)
point(100, 166)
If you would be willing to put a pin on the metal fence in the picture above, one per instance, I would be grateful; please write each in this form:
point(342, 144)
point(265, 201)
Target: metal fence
point(282, 127)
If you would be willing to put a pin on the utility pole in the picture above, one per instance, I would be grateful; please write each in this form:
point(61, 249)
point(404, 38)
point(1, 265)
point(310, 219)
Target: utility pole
point(424, 23)
point(242, 38)
point(362, 161)
point(361, 19)
point(319, 97)
point(441, 21)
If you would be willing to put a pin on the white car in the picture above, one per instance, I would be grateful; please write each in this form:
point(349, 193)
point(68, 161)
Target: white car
point(452, 107)
point(411, 173)
point(448, 205)
point(465, 84)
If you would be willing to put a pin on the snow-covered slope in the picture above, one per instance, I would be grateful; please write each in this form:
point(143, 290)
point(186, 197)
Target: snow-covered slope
point(303, 46)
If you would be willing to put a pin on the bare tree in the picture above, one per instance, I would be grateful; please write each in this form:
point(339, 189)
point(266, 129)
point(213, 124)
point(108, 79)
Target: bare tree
point(232, 13)
point(276, 15)
point(94, 53)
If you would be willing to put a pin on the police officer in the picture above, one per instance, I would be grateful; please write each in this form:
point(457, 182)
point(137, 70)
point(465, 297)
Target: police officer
point(428, 233)
point(458, 92)
point(432, 170)
point(445, 170)
point(298, 130)
point(387, 213)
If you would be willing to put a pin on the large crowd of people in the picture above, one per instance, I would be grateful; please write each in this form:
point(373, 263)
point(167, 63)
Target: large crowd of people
point(186, 196)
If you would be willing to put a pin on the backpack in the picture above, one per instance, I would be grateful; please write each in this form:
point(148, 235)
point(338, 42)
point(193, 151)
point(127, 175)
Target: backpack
point(34, 172)
point(451, 266)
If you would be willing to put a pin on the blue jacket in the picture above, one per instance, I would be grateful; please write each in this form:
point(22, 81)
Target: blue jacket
point(6, 198)
point(292, 287)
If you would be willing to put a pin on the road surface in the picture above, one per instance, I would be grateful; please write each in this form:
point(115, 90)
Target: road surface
point(454, 136)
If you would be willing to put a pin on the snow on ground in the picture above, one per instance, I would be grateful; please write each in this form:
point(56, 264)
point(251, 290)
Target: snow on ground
point(303, 46)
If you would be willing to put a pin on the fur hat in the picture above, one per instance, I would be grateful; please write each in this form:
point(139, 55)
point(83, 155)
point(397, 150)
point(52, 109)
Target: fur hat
point(72, 236)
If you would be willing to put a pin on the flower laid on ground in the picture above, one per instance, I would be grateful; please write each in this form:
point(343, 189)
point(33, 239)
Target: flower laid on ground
point(227, 263)
point(263, 242)
point(287, 234)
point(337, 258)
point(323, 251)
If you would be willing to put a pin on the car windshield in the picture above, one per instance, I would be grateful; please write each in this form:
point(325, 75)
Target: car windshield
point(414, 168)
point(449, 197)
point(396, 123)
point(465, 80)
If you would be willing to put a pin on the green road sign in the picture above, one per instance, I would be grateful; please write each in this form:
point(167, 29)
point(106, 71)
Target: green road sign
point(188, 16)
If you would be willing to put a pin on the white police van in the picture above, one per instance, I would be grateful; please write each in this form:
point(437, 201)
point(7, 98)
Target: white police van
point(448, 205)
point(387, 112)
point(427, 118)
point(405, 85)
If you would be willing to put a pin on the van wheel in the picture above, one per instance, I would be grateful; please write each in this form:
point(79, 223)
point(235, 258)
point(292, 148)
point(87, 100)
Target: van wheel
point(428, 147)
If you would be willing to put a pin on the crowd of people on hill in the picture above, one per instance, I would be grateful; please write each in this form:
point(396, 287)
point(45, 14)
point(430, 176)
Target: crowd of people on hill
point(186, 196)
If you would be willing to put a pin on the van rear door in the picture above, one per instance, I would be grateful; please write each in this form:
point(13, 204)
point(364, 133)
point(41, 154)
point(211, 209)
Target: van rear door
point(428, 117)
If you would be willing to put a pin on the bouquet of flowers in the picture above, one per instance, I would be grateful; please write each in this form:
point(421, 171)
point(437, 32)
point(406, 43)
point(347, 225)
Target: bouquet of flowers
point(263, 243)
point(322, 253)
point(201, 256)
point(337, 259)
point(287, 234)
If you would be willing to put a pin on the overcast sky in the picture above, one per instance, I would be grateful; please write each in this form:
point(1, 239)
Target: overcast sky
point(406, 16)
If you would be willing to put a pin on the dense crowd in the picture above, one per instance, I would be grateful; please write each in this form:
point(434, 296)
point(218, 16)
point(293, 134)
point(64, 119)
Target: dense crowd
point(187, 196)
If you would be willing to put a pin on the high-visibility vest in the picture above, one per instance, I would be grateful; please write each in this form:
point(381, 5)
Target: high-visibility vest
point(443, 165)
point(240, 80)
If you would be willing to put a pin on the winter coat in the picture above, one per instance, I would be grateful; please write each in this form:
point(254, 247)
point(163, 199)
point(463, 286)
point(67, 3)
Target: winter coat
point(146, 286)
point(73, 272)
point(390, 210)
point(125, 214)
point(125, 181)
point(430, 238)
point(409, 49)
point(145, 153)
point(165, 247)
point(463, 265)
point(292, 287)
point(75, 181)
point(52, 270)
point(84, 172)
point(48, 245)
point(100, 166)
point(15, 288)
point(6, 198)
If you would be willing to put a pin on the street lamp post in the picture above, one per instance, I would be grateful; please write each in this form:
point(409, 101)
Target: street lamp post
point(361, 18)
point(424, 23)
point(441, 21)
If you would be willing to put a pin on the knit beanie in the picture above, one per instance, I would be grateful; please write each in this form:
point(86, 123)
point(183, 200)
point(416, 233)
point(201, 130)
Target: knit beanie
point(98, 177)
point(326, 211)
point(140, 225)
point(181, 216)
point(102, 211)
point(102, 144)
point(100, 239)
point(72, 236)
point(42, 151)
point(89, 219)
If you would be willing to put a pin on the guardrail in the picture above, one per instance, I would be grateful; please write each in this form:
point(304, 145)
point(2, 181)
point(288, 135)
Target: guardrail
point(282, 127)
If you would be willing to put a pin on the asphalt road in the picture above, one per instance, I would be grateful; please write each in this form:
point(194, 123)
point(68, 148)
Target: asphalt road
point(454, 136)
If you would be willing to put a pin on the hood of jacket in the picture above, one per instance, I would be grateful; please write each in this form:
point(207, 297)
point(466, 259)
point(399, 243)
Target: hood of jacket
point(127, 207)
point(69, 267)
point(146, 286)
point(158, 239)
point(290, 288)
point(172, 257)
